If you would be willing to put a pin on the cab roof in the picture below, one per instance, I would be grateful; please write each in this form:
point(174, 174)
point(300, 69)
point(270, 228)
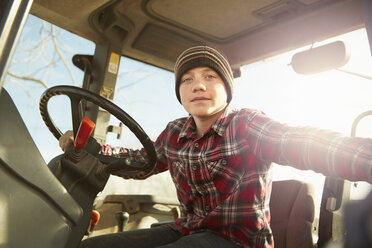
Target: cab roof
point(156, 31)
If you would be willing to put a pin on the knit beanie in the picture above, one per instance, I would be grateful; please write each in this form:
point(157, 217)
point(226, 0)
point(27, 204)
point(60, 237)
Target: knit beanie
point(199, 56)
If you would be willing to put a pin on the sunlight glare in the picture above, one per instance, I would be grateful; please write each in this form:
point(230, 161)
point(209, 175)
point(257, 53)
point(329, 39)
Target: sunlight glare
point(329, 100)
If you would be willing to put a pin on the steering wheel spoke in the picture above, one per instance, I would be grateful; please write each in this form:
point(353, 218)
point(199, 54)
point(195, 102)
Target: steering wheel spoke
point(76, 112)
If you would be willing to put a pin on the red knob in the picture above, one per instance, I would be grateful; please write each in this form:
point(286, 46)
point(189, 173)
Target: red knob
point(95, 218)
point(84, 132)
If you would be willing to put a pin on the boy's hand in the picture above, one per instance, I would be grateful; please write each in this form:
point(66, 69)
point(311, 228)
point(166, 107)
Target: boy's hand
point(66, 140)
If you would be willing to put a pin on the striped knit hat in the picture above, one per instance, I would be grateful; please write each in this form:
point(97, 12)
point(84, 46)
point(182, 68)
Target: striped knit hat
point(199, 56)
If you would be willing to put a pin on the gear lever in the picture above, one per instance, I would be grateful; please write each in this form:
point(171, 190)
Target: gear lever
point(122, 218)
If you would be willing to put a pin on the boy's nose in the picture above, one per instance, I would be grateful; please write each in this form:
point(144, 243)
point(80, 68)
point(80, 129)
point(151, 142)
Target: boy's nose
point(198, 85)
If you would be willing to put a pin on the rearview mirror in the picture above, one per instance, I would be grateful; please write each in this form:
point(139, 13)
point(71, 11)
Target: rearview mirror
point(322, 58)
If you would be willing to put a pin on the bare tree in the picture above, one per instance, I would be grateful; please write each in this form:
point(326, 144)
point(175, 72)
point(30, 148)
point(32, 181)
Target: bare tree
point(38, 55)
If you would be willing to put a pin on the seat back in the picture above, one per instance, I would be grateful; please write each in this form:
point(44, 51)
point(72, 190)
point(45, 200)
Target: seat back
point(35, 209)
point(292, 214)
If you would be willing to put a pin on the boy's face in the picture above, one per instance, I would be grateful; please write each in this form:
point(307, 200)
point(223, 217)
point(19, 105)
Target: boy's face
point(202, 92)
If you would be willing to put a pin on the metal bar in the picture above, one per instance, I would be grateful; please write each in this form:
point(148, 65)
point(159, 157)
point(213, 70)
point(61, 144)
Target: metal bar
point(12, 19)
point(105, 67)
point(367, 16)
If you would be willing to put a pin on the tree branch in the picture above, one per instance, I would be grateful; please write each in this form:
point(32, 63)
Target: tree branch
point(28, 79)
point(62, 56)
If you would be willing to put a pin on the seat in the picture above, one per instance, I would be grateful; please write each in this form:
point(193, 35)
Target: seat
point(35, 208)
point(292, 214)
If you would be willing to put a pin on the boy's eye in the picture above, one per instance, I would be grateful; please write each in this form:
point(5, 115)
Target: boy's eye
point(211, 76)
point(188, 79)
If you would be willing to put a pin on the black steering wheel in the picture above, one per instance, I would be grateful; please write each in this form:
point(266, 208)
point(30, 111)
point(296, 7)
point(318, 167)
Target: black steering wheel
point(77, 96)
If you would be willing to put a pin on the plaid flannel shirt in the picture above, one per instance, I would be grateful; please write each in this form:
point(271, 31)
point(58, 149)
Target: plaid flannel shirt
point(224, 178)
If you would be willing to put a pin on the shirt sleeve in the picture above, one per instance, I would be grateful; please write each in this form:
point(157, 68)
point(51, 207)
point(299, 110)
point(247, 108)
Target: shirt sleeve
point(139, 155)
point(308, 148)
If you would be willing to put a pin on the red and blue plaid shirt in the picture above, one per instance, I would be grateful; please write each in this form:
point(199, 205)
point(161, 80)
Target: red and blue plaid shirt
point(223, 179)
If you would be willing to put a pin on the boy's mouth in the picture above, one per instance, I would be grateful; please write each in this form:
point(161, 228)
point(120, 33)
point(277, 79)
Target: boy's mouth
point(199, 99)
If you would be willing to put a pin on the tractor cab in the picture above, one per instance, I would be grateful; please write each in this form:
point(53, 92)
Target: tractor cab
point(58, 201)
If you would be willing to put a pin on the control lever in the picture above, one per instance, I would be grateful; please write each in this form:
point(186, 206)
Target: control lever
point(122, 218)
point(93, 221)
point(83, 134)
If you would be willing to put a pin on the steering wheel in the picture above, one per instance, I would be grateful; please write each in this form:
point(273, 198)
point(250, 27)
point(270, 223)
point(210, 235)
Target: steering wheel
point(77, 96)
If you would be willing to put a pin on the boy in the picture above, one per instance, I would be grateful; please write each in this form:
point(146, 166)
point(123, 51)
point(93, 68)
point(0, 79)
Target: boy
point(220, 161)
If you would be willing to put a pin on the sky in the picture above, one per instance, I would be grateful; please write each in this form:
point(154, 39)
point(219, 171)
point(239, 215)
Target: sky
point(330, 100)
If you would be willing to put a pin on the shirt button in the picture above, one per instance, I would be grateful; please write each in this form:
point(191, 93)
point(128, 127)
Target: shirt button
point(196, 145)
point(224, 162)
point(194, 167)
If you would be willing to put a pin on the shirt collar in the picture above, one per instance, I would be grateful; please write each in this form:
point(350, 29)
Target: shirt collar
point(189, 129)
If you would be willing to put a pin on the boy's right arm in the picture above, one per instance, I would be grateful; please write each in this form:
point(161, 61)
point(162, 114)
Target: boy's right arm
point(67, 139)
